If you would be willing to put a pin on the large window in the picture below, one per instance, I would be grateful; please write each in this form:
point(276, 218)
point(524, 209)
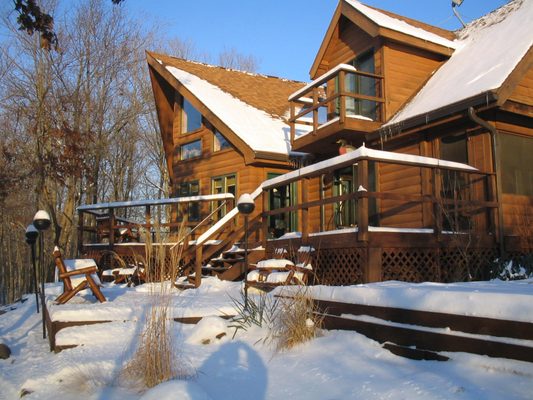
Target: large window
point(281, 197)
point(191, 119)
point(220, 142)
point(191, 189)
point(517, 171)
point(364, 85)
point(191, 150)
point(223, 184)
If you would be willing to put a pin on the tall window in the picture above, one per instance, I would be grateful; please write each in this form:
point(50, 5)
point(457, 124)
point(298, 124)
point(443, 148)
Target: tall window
point(223, 184)
point(191, 189)
point(191, 119)
point(220, 142)
point(363, 85)
point(517, 172)
point(191, 150)
point(281, 197)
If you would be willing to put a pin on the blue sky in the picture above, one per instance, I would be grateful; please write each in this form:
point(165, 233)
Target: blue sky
point(284, 35)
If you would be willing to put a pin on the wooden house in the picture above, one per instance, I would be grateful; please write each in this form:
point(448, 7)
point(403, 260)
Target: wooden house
point(406, 157)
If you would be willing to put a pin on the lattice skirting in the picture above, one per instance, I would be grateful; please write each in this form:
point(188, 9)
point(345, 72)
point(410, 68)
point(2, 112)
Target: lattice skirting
point(340, 266)
point(436, 265)
point(410, 265)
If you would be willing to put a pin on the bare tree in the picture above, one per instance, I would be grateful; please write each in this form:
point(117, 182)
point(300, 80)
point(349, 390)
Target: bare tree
point(231, 58)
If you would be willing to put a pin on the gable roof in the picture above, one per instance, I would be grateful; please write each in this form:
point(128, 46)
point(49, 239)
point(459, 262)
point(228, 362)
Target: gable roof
point(404, 25)
point(376, 22)
point(488, 51)
point(252, 106)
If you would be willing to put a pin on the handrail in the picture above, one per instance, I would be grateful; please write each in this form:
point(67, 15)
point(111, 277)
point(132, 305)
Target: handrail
point(199, 224)
point(327, 76)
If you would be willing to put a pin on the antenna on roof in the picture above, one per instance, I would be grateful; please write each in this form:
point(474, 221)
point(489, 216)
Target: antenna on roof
point(454, 4)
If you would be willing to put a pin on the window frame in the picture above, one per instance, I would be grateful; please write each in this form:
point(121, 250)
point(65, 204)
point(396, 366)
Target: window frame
point(187, 144)
point(215, 141)
point(184, 117)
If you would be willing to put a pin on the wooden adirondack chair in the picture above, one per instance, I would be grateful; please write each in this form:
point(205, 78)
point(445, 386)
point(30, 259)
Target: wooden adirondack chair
point(83, 274)
point(269, 274)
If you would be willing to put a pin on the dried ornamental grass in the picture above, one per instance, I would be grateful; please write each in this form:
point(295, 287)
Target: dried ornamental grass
point(297, 321)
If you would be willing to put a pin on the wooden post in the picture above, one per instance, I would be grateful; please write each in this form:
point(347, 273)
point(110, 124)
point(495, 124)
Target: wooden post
point(373, 265)
point(148, 219)
point(111, 228)
point(264, 218)
point(492, 213)
point(293, 123)
point(315, 110)
point(80, 233)
point(362, 203)
point(304, 188)
point(342, 98)
point(437, 201)
point(198, 266)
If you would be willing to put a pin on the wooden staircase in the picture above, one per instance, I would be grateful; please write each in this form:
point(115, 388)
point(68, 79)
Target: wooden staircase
point(423, 335)
point(219, 259)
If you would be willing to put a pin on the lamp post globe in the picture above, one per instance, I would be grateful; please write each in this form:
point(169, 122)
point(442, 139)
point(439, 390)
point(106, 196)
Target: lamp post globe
point(245, 204)
point(41, 220)
point(31, 234)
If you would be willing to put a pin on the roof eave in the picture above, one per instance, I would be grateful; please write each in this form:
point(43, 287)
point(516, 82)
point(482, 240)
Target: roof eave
point(486, 99)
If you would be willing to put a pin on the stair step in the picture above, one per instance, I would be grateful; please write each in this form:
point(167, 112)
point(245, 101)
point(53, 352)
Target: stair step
point(184, 286)
point(214, 269)
point(414, 353)
point(432, 339)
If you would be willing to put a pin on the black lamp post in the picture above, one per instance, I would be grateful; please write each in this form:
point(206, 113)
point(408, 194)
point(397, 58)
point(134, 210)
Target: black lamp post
point(31, 237)
point(41, 221)
point(246, 206)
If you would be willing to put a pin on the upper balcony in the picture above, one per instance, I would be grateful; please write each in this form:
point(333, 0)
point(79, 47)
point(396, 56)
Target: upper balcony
point(344, 103)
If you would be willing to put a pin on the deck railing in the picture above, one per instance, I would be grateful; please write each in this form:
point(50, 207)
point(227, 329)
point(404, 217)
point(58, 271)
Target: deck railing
point(108, 228)
point(452, 197)
point(343, 92)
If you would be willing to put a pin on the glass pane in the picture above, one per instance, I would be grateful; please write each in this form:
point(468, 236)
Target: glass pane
point(191, 118)
point(220, 142)
point(191, 150)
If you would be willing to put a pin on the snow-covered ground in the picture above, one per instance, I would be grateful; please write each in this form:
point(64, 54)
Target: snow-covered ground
point(336, 365)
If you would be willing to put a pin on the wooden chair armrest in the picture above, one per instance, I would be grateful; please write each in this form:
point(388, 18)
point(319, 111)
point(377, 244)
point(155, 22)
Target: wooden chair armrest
point(81, 271)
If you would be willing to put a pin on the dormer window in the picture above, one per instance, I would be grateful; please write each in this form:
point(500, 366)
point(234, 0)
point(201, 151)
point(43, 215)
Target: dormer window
point(191, 119)
point(362, 85)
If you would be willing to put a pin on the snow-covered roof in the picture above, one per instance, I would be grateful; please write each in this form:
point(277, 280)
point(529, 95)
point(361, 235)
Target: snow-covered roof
point(488, 50)
point(398, 25)
point(261, 131)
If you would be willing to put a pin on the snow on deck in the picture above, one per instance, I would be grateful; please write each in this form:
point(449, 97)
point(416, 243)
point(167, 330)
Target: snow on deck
point(488, 51)
point(491, 299)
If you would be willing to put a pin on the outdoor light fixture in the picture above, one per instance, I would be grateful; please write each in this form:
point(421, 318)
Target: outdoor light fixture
point(41, 220)
point(246, 206)
point(31, 237)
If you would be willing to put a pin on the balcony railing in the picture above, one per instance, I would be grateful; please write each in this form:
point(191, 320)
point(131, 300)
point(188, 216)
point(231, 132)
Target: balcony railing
point(341, 93)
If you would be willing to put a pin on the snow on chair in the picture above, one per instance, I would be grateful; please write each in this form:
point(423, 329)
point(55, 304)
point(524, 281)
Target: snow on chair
point(281, 272)
point(77, 274)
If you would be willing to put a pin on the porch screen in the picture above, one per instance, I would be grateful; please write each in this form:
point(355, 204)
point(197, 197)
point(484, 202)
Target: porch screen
point(517, 171)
